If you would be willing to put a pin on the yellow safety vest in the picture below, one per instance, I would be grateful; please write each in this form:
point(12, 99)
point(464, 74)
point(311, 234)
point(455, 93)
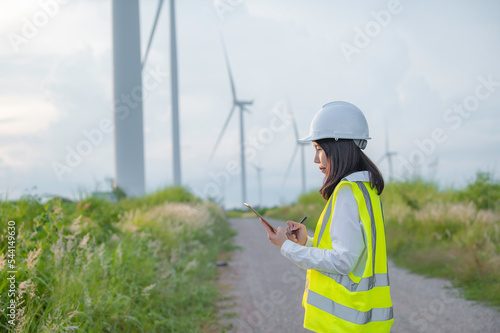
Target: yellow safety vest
point(347, 303)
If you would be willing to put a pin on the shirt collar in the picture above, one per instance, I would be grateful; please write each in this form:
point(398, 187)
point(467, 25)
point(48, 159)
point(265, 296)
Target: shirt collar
point(358, 176)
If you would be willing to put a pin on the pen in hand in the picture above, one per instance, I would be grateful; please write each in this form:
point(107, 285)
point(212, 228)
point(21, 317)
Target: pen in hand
point(305, 217)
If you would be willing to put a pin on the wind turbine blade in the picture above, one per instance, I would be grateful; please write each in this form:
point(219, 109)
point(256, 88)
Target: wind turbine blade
point(291, 162)
point(233, 90)
point(295, 129)
point(386, 137)
point(382, 158)
point(390, 167)
point(158, 10)
point(222, 132)
point(386, 143)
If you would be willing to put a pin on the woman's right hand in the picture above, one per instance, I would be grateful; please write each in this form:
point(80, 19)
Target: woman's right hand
point(300, 235)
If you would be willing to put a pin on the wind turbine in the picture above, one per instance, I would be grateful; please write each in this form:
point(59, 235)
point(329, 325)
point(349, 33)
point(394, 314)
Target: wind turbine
point(298, 145)
point(388, 154)
point(241, 105)
point(259, 183)
point(433, 166)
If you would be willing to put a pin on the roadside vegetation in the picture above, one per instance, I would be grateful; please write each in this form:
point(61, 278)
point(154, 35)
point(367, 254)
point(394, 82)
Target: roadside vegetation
point(454, 234)
point(138, 265)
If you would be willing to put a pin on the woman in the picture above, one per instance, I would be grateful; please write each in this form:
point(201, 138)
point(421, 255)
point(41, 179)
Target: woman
point(347, 287)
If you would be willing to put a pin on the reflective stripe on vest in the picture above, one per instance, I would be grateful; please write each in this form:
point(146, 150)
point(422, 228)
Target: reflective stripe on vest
point(325, 220)
point(347, 313)
point(372, 218)
point(368, 283)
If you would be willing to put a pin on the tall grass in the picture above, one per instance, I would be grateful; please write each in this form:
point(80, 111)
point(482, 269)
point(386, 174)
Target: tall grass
point(140, 265)
point(450, 234)
point(453, 234)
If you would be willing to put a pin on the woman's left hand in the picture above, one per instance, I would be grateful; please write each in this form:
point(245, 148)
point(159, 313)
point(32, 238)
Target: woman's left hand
point(277, 238)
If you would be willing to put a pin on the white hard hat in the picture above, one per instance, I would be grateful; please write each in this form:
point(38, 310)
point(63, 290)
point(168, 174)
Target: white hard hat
point(339, 120)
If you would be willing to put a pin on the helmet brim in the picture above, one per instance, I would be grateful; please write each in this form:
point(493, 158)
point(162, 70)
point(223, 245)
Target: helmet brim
point(308, 138)
point(311, 138)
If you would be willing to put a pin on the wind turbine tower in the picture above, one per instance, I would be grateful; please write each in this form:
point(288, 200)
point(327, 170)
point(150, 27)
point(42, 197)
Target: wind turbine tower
point(128, 119)
point(175, 97)
point(242, 107)
point(259, 183)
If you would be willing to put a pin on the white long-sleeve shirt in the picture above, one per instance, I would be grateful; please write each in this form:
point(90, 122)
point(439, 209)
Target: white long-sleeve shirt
point(347, 234)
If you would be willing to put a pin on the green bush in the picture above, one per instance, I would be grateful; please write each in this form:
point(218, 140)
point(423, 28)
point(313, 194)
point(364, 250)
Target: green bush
point(139, 265)
point(171, 194)
point(484, 192)
point(453, 234)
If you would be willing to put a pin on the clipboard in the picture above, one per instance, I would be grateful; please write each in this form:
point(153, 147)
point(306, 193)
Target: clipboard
point(253, 210)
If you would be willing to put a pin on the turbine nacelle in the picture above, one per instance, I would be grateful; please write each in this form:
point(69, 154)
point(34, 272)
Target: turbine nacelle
point(243, 103)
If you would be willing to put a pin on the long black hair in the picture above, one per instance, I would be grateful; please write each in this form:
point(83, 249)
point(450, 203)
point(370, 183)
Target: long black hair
point(344, 158)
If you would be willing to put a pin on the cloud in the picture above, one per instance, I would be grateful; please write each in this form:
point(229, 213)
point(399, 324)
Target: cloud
point(53, 27)
point(21, 116)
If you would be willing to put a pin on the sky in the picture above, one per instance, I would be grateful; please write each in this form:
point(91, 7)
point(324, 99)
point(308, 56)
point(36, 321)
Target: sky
point(426, 75)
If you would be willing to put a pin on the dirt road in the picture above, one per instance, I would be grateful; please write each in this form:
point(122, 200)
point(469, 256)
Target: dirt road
point(264, 290)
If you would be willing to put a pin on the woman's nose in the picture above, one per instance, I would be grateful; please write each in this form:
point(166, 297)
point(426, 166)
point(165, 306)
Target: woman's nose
point(316, 158)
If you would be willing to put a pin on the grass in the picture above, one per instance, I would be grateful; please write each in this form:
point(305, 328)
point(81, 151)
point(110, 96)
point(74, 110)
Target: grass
point(451, 234)
point(454, 234)
point(139, 265)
